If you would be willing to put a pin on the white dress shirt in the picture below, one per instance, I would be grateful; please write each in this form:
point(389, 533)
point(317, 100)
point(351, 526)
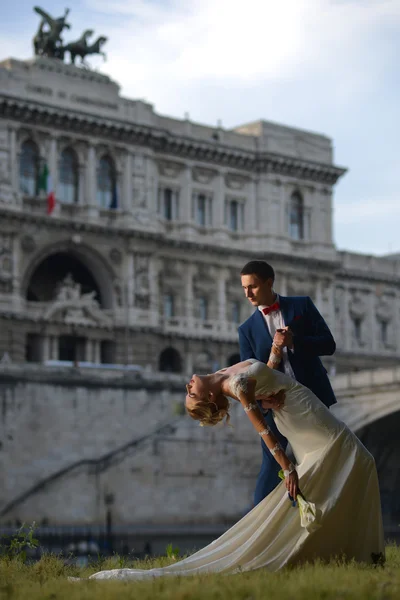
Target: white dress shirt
point(274, 320)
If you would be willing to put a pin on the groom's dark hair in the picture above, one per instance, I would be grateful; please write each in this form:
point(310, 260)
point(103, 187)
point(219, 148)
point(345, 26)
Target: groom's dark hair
point(260, 268)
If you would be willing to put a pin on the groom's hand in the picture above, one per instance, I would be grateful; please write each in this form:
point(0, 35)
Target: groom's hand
point(284, 337)
point(275, 402)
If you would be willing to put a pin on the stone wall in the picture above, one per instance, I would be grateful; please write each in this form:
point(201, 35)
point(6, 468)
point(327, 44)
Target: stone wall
point(74, 440)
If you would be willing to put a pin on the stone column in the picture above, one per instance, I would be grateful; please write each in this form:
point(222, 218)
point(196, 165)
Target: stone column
point(126, 199)
point(46, 348)
point(90, 183)
point(372, 342)
point(396, 323)
point(186, 201)
point(88, 350)
point(98, 351)
point(348, 332)
point(281, 286)
point(219, 202)
point(150, 184)
point(14, 162)
point(53, 347)
point(130, 279)
point(188, 363)
point(188, 279)
point(154, 289)
point(284, 206)
point(251, 224)
point(53, 170)
point(222, 309)
point(318, 295)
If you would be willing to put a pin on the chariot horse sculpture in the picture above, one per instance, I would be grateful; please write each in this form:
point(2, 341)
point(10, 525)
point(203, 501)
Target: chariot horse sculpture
point(49, 43)
point(82, 49)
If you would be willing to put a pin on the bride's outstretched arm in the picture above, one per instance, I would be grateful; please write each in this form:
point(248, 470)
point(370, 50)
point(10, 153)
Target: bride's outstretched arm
point(275, 356)
point(246, 395)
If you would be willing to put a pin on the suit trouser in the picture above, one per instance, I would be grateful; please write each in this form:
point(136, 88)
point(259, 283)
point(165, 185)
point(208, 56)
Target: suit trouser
point(268, 477)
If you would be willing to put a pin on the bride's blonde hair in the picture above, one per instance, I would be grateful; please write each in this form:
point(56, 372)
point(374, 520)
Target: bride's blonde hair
point(209, 412)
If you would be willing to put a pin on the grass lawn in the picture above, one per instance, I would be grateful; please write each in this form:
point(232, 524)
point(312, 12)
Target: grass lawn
point(47, 580)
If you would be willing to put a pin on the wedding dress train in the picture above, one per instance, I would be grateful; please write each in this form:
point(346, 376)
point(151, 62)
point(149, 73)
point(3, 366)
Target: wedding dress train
point(336, 473)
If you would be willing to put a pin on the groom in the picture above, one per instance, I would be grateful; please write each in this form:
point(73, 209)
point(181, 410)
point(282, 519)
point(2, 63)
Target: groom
point(295, 324)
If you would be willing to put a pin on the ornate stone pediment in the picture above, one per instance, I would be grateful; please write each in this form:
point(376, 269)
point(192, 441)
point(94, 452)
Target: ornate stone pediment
point(357, 306)
point(203, 175)
point(384, 308)
point(76, 308)
point(169, 168)
point(6, 257)
point(235, 181)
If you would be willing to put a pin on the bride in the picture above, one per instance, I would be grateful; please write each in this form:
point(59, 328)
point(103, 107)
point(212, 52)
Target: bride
point(334, 472)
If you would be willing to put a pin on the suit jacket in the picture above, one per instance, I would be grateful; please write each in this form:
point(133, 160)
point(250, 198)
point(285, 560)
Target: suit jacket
point(311, 339)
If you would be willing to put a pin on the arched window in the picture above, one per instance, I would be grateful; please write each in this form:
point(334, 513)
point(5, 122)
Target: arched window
point(29, 168)
point(106, 183)
point(67, 189)
point(296, 217)
point(170, 361)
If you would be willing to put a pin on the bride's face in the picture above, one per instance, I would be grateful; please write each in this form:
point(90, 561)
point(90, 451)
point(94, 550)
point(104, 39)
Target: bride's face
point(196, 388)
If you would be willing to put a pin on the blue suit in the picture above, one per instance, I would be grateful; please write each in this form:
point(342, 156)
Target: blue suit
point(311, 339)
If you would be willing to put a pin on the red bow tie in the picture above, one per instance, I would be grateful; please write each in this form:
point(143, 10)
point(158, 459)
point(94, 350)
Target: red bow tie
point(271, 308)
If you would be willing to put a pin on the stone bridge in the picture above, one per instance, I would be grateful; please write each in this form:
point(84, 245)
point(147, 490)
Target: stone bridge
point(367, 396)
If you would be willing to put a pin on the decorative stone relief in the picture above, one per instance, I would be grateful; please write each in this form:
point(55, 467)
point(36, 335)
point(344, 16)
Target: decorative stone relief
point(6, 263)
point(76, 308)
point(358, 305)
point(203, 363)
point(28, 244)
point(301, 287)
point(203, 175)
point(384, 308)
point(235, 181)
point(169, 168)
point(115, 256)
point(142, 282)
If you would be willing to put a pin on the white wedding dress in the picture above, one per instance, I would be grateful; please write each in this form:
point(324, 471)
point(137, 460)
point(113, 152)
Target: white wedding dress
point(336, 473)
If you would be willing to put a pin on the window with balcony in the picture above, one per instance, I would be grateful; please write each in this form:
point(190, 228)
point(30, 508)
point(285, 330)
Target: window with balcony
point(235, 215)
point(383, 332)
point(202, 308)
point(357, 328)
point(29, 168)
point(169, 306)
point(297, 217)
point(168, 203)
point(202, 209)
point(68, 177)
point(106, 184)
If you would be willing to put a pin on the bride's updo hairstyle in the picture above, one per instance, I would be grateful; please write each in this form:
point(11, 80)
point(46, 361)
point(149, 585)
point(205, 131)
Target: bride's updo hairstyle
point(209, 412)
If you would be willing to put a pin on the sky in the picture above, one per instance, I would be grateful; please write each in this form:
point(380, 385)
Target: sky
point(328, 66)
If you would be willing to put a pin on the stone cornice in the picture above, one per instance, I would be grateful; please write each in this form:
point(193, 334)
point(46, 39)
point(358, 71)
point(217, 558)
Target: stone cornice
point(162, 140)
point(191, 249)
point(353, 275)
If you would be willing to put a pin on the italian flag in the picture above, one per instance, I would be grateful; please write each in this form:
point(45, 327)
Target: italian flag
point(45, 184)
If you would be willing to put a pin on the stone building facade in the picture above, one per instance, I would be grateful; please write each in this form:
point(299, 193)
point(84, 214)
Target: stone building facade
point(139, 261)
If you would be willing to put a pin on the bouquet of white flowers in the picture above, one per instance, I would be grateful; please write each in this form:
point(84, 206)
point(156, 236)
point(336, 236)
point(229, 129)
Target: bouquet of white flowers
point(308, 512)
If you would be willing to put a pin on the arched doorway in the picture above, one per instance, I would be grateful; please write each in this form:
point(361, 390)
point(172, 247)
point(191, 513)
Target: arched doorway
point(382, 440)
point(49, 275)
point(170, 361)
point(72, 301)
